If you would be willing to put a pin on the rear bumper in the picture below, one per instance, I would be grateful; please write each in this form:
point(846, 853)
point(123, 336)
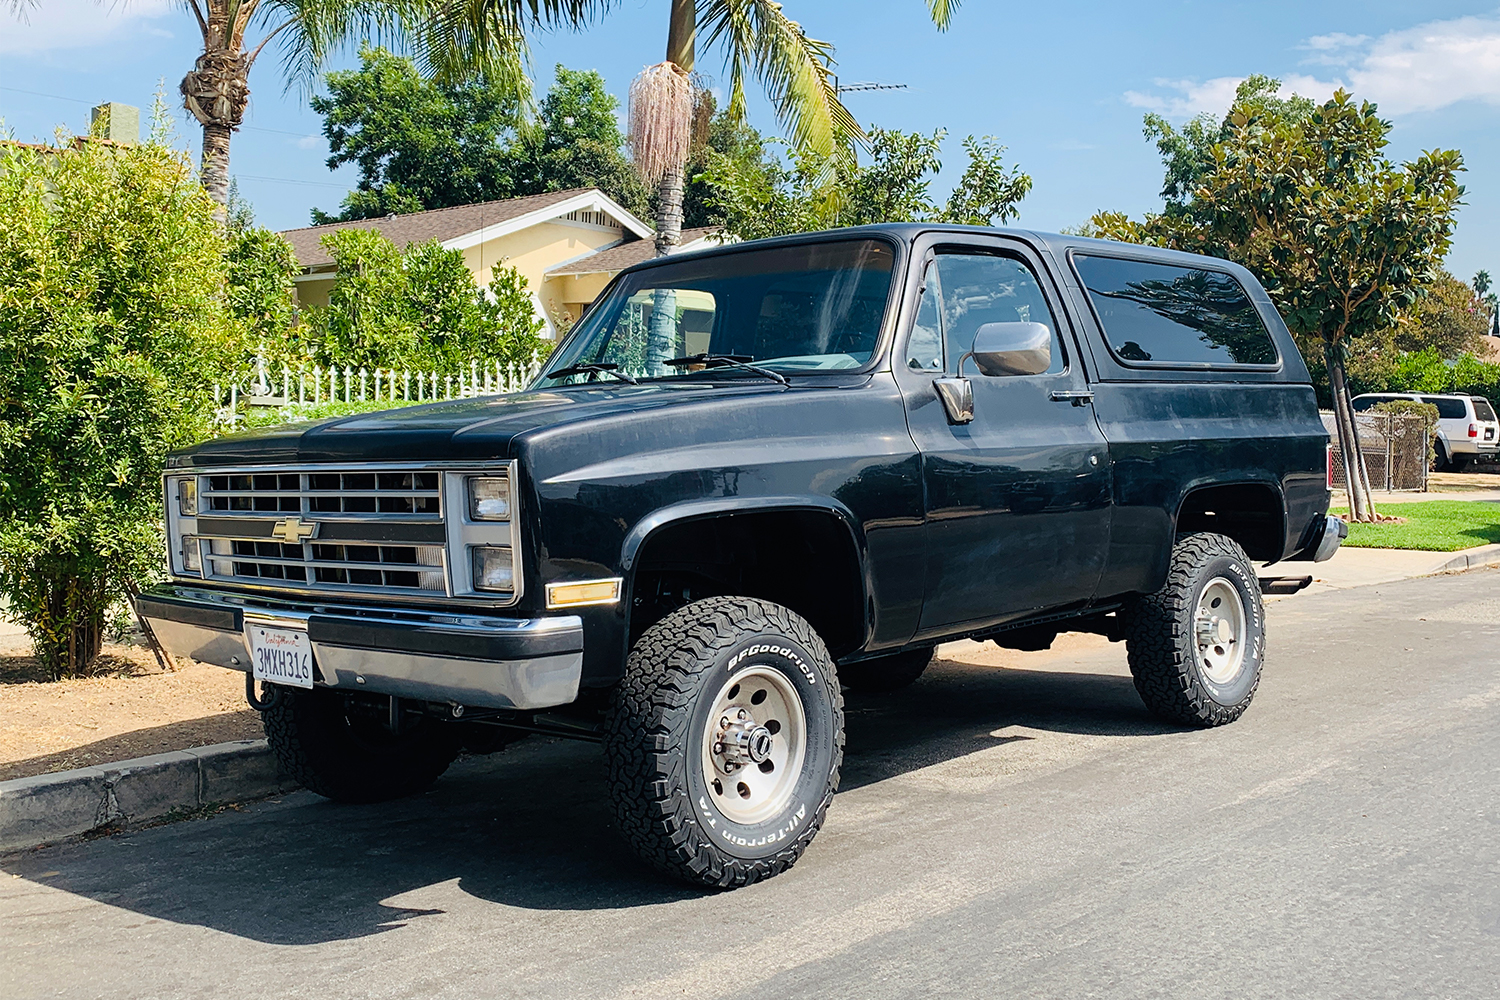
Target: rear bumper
point(1323, 540)
point(522, 663)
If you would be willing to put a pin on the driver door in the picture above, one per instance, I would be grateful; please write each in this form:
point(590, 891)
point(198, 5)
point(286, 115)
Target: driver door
point(1018, 499)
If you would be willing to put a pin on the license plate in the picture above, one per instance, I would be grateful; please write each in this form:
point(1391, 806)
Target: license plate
point(280, 655)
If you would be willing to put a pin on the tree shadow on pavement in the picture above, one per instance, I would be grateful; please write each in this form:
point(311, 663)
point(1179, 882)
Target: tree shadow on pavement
point(530, 827)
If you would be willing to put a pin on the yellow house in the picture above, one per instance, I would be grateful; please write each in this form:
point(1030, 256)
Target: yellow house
point(567, 244)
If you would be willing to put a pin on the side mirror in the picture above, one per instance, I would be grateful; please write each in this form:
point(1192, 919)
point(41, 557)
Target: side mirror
point(1011, 349)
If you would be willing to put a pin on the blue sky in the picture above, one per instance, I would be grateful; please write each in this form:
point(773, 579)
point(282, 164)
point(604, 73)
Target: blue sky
point(1064, 85)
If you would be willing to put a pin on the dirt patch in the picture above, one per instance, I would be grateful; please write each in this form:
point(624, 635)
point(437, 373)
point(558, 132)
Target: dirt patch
point(127, 707)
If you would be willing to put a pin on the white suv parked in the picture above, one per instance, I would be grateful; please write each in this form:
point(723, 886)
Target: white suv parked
point(1467, 427)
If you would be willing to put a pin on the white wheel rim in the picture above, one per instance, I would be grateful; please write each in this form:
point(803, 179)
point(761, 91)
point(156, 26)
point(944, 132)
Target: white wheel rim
point(1219, 628)
point(753, 745)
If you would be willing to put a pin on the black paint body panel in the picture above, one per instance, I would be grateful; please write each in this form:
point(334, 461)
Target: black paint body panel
point(1035, 507)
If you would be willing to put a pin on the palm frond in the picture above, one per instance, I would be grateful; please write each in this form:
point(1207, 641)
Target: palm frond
point(795, 70)
point(942, 12)
point(457, 39)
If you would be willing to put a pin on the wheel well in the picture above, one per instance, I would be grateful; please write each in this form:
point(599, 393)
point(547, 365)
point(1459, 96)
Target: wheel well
point(804, 560)
point(1250, 513)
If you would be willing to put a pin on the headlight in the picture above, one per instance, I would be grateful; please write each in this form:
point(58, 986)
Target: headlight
point(192, 555)
point(489, 498)
point(187, 496)
point(493, 568)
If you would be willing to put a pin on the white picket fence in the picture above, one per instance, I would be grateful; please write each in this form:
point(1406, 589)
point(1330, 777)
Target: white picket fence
point(314, 385)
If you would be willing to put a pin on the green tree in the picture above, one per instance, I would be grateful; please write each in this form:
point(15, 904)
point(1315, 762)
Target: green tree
point(1449, 318)
point(421, 144)
point(1344, 241)
point(113, 324)
point(1187, 153)
point(755, 198)
point(261, 266)
point(418, 143)
point(1490, 300)
point(454, 39)
point(418, 309)
point(575, 143)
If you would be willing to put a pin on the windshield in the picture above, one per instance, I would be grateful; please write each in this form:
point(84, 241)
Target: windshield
point(814, 307)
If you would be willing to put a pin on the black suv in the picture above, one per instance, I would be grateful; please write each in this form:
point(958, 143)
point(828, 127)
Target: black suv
point(748, 477)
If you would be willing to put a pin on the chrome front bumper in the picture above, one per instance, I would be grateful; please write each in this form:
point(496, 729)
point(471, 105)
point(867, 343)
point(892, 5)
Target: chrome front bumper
point(522, 663)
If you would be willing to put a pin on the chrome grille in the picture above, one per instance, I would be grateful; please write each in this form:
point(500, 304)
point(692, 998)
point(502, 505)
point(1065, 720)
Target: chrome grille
point(322, 493)
point(359, 518)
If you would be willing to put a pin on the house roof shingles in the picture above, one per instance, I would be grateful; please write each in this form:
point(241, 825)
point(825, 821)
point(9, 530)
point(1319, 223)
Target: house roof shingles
point(623, 255)
point(436, 224)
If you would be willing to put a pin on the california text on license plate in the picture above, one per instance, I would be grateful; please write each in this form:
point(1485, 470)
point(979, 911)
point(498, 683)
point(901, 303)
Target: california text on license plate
point(280, 655)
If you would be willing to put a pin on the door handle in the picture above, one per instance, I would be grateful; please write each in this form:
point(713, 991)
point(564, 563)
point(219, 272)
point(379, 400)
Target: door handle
point(1078, 397)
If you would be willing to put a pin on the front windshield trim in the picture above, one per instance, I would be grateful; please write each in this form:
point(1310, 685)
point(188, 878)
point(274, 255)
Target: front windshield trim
point(602, 306)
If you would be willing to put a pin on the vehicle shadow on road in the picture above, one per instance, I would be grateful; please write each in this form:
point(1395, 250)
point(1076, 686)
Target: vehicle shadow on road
point(530, 827)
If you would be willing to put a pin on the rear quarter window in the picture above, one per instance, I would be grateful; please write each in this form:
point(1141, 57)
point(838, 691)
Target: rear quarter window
point(1165, 314)
point(1448, 409)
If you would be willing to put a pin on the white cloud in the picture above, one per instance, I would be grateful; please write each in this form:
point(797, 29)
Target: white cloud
point(1216, 95)
point(1431, 66)
point(310, 142)
point(1415, 69)
point(1335, 49)
point(57, 25)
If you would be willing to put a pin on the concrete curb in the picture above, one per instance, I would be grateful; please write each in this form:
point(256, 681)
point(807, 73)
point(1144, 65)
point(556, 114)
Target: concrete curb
point(68, 803)
point(1475, 558)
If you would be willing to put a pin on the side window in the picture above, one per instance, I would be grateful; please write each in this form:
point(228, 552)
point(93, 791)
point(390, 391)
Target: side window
point(1167, 314)
point(924, 349)
point(964, 291)
point(1448, 408)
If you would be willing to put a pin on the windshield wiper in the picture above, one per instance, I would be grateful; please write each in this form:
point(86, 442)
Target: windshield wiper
point(607, 368)
point(727, 361)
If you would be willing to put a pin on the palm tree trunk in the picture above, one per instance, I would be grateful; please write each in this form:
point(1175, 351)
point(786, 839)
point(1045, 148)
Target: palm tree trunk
point(682, 32)
point(669, 211)
point(1356, 479)
point(215, 174)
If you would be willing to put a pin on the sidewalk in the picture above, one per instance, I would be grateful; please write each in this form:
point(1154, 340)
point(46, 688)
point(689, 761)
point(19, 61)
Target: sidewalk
point(1351, 567)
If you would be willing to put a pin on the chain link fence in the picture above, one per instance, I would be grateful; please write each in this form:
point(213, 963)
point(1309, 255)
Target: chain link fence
point(1395, 446)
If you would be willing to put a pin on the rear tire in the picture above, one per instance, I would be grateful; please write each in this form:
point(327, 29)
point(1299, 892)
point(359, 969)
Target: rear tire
point(349, 757)
point(724, 741)
point(886, 673)
point(1441, 461)
point(1196, 645)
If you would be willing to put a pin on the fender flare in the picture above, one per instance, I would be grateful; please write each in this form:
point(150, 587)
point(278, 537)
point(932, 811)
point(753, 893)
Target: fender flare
point(695, 510)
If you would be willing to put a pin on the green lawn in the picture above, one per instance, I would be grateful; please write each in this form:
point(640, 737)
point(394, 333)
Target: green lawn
point(1438, 525)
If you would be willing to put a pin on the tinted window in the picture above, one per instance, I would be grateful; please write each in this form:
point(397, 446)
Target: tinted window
point(1448, 409)
point(962, 292)
point(1483, 410)
point(1174, 315)
point(813, 307)
point(1363, 403)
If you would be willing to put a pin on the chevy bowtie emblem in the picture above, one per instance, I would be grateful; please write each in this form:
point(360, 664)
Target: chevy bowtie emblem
point(294, 530)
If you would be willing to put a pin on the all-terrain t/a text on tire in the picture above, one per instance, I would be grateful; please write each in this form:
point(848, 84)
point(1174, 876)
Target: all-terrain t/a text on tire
point(725, 741)
point(1196, 645)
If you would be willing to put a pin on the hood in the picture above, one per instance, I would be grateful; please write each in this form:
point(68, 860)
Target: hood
point(480, 428)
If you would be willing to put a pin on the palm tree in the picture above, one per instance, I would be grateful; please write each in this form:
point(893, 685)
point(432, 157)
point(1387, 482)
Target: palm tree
point(217, 88)
point(756, 38)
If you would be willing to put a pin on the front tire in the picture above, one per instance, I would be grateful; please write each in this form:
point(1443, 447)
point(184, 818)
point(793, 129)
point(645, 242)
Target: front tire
point(349, 756)
point(725, 741)
point(1196, 645)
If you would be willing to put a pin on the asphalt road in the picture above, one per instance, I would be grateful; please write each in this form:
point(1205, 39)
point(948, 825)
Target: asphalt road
point(1015, 832)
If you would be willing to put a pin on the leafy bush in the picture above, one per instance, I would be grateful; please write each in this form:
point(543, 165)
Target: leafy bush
point(418, 308)
point(113, 323)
